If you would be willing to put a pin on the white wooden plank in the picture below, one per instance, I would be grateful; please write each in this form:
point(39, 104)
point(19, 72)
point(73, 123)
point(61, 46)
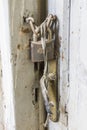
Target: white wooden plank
point(77, 100)
point(7, 80)
point(78, 69)
point(74, 47)
point(61, 9)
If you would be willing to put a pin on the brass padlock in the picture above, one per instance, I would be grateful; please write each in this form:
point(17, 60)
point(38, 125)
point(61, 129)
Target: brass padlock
point(37, 51)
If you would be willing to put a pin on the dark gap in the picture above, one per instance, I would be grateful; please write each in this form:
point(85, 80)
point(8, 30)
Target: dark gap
point(41, 68)
point(42, 10)
point(57, 56)
point(35, 66)
point(36, 94)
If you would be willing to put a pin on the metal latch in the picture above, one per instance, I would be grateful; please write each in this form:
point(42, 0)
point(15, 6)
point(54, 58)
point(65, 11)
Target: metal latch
point(43, 49)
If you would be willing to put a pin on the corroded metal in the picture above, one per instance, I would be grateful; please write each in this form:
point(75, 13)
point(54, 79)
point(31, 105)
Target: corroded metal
point(37, 51)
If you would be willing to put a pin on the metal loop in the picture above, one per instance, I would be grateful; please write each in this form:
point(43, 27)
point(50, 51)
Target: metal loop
point(30, 19)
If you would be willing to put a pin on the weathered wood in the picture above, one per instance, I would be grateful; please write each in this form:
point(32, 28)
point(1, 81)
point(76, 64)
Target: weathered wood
point(74, 61)
point(77, 106)
point(61, 9)
point(23, 69)
point(7, 78)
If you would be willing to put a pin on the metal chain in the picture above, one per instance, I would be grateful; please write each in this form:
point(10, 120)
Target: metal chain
point(44, 78)
point(43, 81)
point(36, 29)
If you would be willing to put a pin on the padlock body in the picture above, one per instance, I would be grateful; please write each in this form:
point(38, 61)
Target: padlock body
point(37, 51)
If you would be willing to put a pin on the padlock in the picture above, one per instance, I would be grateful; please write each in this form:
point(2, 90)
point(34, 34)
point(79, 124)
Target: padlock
point(37, 51)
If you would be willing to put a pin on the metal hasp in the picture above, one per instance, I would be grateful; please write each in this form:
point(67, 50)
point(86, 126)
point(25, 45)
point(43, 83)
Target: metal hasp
point(43, 49)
